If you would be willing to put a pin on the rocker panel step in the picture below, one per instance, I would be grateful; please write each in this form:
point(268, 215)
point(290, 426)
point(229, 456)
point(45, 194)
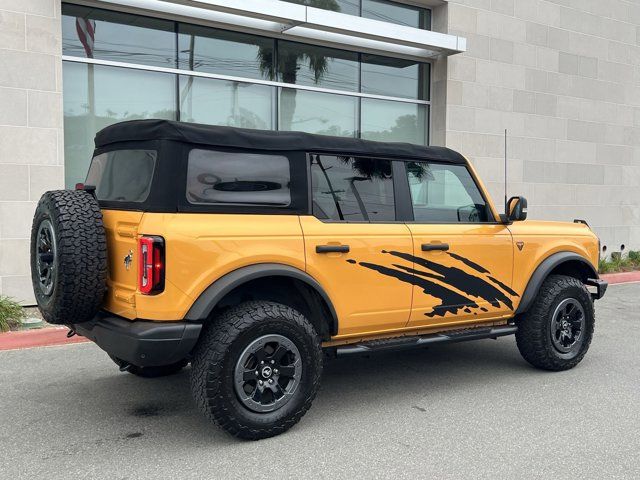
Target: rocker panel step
point(419, 341)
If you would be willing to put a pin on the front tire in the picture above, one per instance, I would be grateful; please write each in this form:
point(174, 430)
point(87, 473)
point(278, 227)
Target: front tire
point(556, 332)
point(257, 369)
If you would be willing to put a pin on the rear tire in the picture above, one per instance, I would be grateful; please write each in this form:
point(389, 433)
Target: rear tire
point(68, 256)
point(256, 369)
point(556, 332)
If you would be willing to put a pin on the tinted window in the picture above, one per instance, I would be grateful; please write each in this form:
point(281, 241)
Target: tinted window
point(352, 189)
point(303, 64)
point(117, 36)
point(238, 178)
point(395, 77)
point(122, 175)
point(391, 12)
point(223, 52)
point(445, 194)
point(317, 112)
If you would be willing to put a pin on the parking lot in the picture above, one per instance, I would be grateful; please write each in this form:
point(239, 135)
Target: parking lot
point(473, 410)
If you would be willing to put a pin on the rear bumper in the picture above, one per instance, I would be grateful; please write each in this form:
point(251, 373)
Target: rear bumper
point(600, 287)
point(141, 342)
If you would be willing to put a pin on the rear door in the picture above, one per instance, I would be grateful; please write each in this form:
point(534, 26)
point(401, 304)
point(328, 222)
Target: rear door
point(123, 180)
point(463, 258)
point(348, 239)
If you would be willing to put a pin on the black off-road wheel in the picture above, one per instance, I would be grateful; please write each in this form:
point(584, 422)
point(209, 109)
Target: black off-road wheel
point(556, 332)
point(256, 369)
point(151, 372)
point(68, 256)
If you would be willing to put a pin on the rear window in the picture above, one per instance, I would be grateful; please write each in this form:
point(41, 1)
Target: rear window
point(122, 175)
point(234, 178)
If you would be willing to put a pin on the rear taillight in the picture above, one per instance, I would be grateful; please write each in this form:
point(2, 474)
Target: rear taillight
point(151, 268)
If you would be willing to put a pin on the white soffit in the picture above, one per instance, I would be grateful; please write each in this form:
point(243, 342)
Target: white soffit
point(302, 22)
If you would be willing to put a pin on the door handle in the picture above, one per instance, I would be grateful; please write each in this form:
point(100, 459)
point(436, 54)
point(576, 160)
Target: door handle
point(332, 248)
point(430, 247)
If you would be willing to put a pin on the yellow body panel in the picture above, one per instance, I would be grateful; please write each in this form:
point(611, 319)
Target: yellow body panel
point(541, 239)
point(200, 248)
point(371, 296)
point(475, 269)
point(365, 301)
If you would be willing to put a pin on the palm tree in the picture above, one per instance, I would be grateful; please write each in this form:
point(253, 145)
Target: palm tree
point(288, 63)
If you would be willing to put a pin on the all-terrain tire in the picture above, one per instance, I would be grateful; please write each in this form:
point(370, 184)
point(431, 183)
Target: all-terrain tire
point(534, 335)
point(152, 372)
point(75, 284)
point(221, 347)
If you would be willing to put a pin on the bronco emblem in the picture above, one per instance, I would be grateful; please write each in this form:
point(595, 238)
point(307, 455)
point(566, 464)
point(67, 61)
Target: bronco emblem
point(128, 260)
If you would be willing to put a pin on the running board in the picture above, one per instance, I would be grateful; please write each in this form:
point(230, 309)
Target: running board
point(414, 342)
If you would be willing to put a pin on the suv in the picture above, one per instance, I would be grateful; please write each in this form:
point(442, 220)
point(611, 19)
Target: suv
point(250, 253)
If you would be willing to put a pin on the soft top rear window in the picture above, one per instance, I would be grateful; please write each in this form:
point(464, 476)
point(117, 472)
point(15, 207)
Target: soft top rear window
point(238, 178)
point(122, 175)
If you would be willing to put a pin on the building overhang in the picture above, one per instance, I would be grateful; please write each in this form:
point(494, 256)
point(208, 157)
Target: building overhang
point(303, 23)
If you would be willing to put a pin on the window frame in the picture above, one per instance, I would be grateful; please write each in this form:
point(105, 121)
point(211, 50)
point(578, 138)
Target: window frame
point(401, 209)
point(410, 218)
point(156, 201)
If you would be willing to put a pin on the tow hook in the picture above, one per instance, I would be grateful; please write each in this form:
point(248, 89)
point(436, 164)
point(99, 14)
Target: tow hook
point(71, 333)
point(124, 367)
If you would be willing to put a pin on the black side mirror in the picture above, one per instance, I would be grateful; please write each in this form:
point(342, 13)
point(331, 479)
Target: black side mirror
point(517, 209)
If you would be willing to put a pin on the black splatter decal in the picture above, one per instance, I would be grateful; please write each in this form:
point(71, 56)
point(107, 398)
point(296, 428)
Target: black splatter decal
point(451, 301)
point(469, 263)
point(469, 284)
point(503, 286)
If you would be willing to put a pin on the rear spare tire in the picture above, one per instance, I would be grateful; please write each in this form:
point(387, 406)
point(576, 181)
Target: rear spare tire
point(68, 256)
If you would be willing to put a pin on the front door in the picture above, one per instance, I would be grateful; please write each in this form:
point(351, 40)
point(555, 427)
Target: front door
point(463, 258)
point(346, 240)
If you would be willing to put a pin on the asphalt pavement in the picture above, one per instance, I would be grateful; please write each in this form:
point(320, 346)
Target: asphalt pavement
point(472, 410)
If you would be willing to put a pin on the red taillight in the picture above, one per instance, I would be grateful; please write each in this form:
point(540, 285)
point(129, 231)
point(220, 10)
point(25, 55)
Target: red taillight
point(151, 267)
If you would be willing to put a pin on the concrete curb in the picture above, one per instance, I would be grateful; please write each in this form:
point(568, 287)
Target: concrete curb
point(622, 277)
point(37, 338)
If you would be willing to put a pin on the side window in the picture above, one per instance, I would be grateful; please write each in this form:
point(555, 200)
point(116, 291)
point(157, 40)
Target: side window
point(445, 194)
point(352, 189)
point(238, 178)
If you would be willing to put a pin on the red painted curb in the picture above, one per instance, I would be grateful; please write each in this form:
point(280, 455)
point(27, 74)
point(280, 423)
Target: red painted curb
point(37, 338)
point(622, 277)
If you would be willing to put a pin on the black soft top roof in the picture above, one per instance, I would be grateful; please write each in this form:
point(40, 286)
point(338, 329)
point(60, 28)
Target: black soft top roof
point(217, 136)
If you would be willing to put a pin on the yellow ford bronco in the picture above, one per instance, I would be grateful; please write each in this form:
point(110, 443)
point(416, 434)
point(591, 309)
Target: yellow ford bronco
point(254, 254)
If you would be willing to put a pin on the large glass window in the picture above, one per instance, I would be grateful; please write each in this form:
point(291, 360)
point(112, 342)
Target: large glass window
point(352, 189)
point(219, 102)
point(281, 85)
point(96, 96)
point(238, 178)
point(400, 14)
point(315, 112)
point(110, 173)
point(389, 121)
point(395, 77)
point(106, 35)
point(317, 66)
point(445, 194)
point(224, 52)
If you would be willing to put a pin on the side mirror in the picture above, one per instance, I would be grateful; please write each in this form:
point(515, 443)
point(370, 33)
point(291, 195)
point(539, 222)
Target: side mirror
point(517, 209)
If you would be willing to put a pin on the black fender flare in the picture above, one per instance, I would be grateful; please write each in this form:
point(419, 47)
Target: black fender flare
point(542, 272)
point(206, 302)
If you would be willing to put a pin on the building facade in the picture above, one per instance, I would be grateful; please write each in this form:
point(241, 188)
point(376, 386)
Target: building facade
point(562, 77)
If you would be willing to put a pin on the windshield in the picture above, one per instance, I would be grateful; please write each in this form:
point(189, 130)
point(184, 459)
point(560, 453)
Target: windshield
point(122, 175)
